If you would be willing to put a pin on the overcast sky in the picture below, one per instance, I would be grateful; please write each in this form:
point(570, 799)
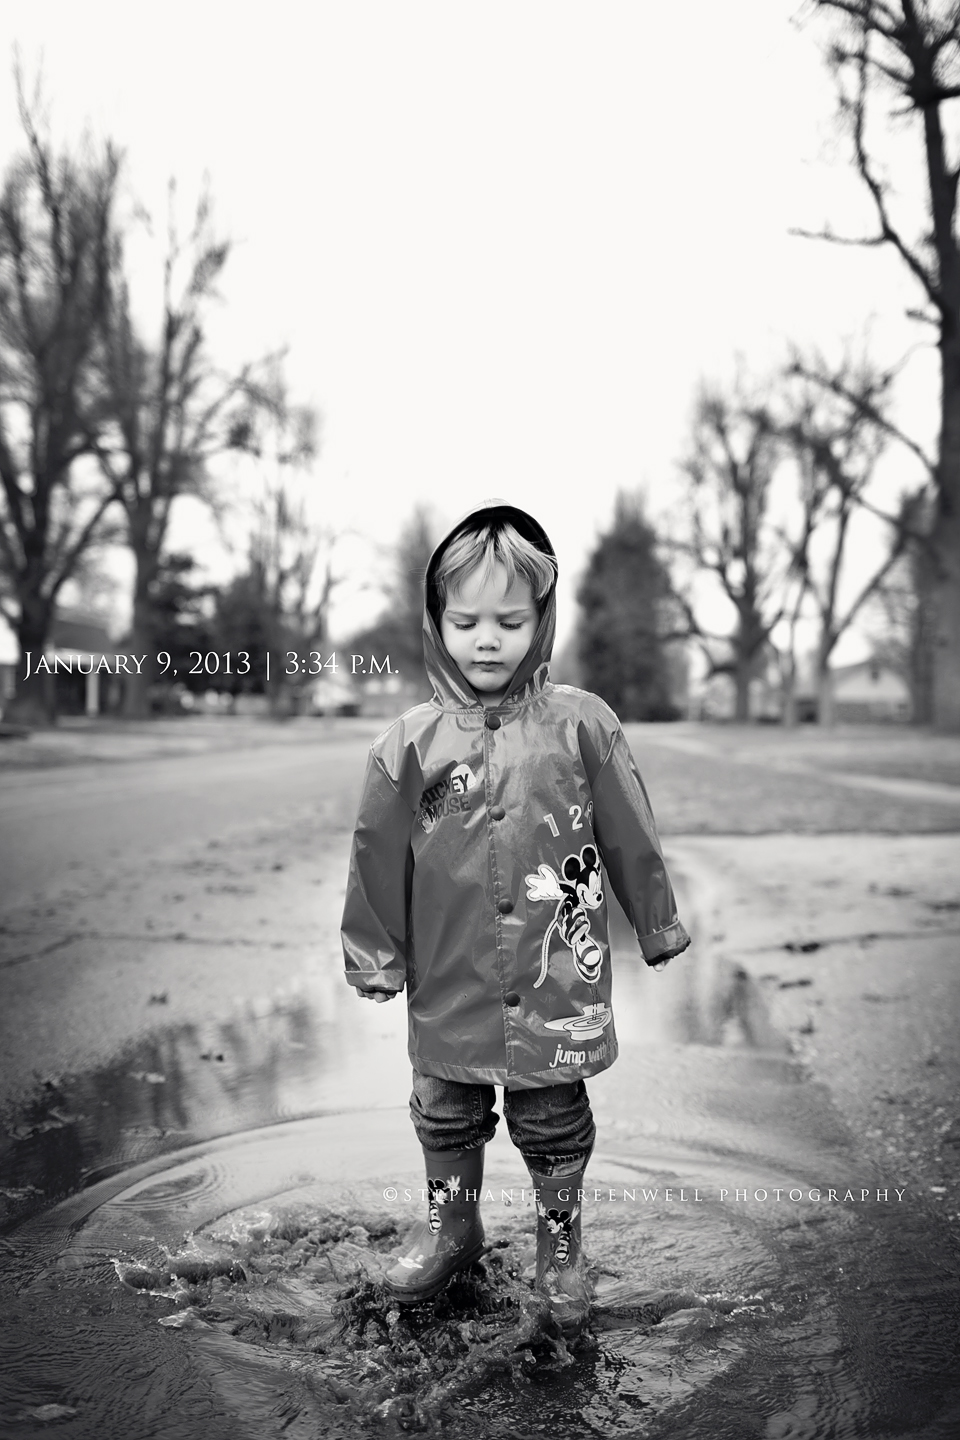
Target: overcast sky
point(502, 242)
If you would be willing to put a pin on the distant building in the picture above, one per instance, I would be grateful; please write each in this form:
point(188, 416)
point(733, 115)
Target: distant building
point(76, 646)
point(870, 691)
point(867, 692)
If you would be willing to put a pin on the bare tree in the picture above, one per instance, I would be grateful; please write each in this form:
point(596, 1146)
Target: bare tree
point(731, 533)
point(899, 614)
point(810, 498)
point(172, 412)
point(904, 56)
point(281, 601)
point(56, 249)
point(835, 423)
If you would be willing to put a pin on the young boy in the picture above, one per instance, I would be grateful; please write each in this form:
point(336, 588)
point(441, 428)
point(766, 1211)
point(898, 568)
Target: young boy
point(476, 881)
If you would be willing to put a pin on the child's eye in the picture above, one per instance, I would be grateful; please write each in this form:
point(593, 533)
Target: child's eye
point(462, 624)
point(510, 625)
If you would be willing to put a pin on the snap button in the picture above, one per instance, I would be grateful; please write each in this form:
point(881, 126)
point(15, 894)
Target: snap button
point(512, 999)
point(505, 906)
point(497, 812)
point(492, 722)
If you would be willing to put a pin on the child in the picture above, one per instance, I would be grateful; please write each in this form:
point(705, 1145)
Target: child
point(476, 881)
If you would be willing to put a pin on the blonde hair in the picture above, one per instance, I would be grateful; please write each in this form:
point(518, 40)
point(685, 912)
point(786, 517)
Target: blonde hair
point(490, 545)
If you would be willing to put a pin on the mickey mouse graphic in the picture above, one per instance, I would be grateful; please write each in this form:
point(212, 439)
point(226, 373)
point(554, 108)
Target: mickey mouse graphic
point(580, 890)
point(441, 1192)
point(558, 1223)
point(460, 780)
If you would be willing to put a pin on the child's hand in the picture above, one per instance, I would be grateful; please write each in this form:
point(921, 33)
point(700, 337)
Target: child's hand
point(369, 993)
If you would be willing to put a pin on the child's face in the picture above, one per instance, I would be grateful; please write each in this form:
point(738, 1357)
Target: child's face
point(487, 628)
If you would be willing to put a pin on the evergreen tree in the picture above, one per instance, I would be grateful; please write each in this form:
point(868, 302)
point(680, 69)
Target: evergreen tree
point(181, 620)
point(398, 632)
point(626, 619)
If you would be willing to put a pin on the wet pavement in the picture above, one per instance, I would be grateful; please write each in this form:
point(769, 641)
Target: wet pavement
point(213, 1270)
point(195, 1222)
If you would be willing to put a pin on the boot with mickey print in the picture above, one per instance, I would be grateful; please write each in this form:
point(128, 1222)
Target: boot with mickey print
point(451, 1237)
point(561, 1278)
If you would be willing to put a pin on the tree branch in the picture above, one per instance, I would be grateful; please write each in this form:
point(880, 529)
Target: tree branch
point(865, 13)
point(11, 489)
point(896, 550)
point(73, 553)
point(888, 229)
point(870, 242)
point(6, 552)
point(863, 407)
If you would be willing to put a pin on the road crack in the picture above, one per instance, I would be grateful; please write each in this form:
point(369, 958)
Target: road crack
point(178, 937)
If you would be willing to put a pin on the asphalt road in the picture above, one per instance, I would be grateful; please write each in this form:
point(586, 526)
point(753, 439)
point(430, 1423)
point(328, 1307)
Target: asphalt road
point(139, 896)
point(170, 971)
point(52, 821)
point(199, 877)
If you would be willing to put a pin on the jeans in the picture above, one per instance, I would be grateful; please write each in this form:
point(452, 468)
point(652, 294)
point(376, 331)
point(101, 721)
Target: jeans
point(552, 1127)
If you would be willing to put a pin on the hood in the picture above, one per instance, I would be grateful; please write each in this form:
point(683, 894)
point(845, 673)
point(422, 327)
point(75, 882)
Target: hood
point(443, 673)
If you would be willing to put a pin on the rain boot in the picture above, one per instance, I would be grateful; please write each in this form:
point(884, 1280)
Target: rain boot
point(561, 1279)
point(451, 1237)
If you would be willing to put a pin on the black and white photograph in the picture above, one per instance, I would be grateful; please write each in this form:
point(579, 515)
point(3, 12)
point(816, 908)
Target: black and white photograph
point(480, 720)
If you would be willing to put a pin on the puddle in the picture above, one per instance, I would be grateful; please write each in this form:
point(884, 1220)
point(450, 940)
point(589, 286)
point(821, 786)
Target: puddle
point(211, 1268)
point(311, 1049)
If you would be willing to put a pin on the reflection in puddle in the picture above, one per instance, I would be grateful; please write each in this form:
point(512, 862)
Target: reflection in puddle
point(212, 1271)
point(313, 1049)
point(269, 1062)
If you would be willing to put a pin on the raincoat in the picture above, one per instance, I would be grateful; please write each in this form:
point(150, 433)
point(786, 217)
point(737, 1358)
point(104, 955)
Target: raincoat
point(485, 842)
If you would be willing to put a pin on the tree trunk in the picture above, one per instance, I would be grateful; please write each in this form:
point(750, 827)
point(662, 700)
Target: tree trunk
point(826, 708)
point(280, 697)
point(35, 699)
point(920, 659)
point(946, 612)
point(946, 547)
point(788, 685)
point(742, 677)
point(135, 700)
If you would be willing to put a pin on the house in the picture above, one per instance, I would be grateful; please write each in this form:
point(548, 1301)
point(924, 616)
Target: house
point(870, 691)
point(80, 659)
